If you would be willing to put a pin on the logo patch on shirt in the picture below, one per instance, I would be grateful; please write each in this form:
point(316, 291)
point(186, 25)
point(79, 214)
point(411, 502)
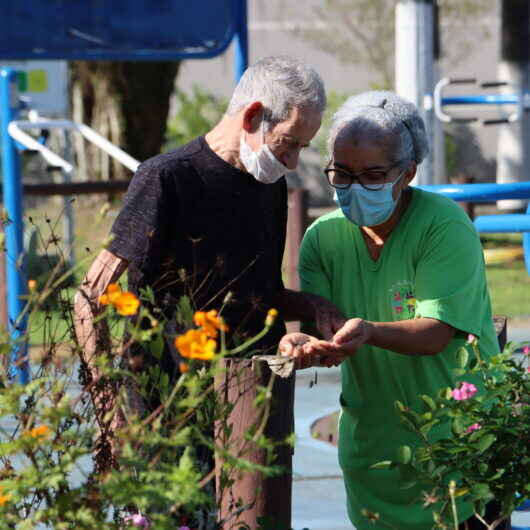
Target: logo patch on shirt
point(403, 300)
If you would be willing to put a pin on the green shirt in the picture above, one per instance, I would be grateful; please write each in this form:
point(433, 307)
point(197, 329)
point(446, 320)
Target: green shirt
point(432, 265)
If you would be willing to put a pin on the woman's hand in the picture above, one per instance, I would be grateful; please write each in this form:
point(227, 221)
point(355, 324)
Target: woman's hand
point(345, 342)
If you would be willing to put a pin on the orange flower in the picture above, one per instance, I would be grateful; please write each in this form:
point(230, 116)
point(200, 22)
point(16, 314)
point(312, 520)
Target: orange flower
point(40, 432)
point(184, 367)
point(196, 344)
point(32, 285)
point(125, 303)
point(4, 499)
point(209, 322)
point(112, 293)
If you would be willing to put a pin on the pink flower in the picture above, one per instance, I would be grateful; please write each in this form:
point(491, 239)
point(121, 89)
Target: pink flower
point(138, 520)
point(466, 391)
point(474, 427)
point(528, 370)
point(526, 350)
point(471, 338)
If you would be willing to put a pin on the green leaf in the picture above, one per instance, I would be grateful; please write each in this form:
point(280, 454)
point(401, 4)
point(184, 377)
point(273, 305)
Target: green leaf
point(404, 454)
point(424, 429)
point(459, 372)
point(429, 401)
point(399, 406)
point(385, 464)
point(462, 356)
point(156, 346)
point(485, 442)
point(480, 491)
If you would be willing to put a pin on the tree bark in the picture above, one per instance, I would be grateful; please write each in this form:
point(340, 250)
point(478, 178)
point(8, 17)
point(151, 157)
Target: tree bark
point(125, 101)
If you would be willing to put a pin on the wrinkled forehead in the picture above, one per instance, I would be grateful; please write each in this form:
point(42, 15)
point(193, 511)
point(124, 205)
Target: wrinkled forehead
point(302, 122)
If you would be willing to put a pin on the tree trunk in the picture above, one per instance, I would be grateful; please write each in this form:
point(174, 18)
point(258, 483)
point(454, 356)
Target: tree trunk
point(128, 103)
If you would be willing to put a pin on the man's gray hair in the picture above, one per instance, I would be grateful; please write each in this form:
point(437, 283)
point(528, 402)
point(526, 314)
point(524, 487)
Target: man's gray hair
point(279, 83)
point(376, 115)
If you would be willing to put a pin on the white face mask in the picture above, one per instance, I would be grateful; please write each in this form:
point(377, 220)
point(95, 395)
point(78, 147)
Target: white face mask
point(262, 164)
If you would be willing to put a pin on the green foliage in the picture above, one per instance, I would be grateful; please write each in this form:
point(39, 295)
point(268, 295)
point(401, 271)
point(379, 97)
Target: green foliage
point(488, 456)
point(197, 114)
point(55, 465)
point(335, 100)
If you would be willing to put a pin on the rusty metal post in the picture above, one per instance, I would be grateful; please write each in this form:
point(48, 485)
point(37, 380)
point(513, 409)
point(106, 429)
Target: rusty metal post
point(244, 497)
point(296, 225)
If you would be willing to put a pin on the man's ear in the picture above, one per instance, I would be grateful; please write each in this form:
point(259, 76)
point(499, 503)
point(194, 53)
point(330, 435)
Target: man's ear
point(252, 116)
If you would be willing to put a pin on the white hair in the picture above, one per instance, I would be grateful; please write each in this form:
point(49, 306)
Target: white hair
point(377, 115)
point(279, 83)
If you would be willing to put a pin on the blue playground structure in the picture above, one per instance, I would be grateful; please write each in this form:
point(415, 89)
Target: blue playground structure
point(119, 30)
point(501, 223)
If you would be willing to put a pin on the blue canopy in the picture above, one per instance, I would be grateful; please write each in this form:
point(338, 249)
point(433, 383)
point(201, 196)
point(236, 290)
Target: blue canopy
point(116, 29)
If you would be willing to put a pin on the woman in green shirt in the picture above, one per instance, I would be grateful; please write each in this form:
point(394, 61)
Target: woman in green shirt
point(406, 268)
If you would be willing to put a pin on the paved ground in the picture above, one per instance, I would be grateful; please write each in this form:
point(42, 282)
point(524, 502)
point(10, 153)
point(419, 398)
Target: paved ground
point(319, 500)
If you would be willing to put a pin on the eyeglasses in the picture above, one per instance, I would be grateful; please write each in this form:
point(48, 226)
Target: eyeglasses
point(371, 180)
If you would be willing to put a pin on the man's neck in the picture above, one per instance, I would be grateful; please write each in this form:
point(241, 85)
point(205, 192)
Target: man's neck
point(224, 140)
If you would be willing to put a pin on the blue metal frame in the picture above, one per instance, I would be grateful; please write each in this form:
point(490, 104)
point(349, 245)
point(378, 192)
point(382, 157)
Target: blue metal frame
point(482, 99)
point(241, 41)
point(490, 193)
point(12, 189)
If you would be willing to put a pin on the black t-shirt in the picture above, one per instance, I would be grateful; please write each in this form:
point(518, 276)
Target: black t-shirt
point(193, 224)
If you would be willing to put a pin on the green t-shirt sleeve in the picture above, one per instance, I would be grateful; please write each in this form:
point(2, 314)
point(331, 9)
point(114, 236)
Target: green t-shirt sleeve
point(450, 278)
point(313, 276)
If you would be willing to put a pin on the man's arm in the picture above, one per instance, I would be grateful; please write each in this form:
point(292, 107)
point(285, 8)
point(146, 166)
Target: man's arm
point(311, 308)
point(93, 338)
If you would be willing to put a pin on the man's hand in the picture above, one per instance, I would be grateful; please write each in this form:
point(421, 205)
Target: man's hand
point(328, 317)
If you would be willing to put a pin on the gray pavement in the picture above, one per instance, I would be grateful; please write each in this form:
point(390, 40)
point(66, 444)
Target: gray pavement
point(319, 500)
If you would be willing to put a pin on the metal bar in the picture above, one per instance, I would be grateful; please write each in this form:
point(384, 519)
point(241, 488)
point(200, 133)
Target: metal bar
point(241, 41)
point(16, 131)
point(483, 192)
point(482, 99)
point(508, 223)
point(14, 229)
point(75, 188)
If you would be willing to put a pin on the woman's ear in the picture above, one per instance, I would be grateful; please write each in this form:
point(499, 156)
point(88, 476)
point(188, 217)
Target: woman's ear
point(410, 174)
point(252, 116)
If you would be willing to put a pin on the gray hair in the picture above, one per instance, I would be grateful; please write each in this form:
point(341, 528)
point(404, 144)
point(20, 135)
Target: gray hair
point(378, 115)
point(279, 83)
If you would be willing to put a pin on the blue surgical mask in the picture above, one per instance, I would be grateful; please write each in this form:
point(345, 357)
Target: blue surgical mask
point(365, 207)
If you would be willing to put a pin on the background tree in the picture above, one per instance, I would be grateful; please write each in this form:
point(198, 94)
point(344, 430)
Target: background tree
point(362, 31)
point(125, 101)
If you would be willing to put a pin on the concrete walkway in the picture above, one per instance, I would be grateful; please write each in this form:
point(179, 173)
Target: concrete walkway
point(319, 499)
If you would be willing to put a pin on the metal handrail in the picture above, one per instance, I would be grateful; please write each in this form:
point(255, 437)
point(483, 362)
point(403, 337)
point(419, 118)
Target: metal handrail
point(15, 130)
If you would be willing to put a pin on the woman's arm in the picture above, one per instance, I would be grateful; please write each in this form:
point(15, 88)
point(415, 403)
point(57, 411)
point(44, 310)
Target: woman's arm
point(420, 336)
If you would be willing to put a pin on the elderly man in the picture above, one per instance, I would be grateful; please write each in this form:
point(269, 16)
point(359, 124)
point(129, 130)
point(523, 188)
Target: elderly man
point(210, 217)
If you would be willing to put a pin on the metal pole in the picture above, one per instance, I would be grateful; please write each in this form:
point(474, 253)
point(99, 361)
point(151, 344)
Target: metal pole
point(241, 41)
point(414, 68)
point(14, 230)
point(513, 162)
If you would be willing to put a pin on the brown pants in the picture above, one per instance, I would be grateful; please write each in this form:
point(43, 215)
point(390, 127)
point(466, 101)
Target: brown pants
point(492, 513)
